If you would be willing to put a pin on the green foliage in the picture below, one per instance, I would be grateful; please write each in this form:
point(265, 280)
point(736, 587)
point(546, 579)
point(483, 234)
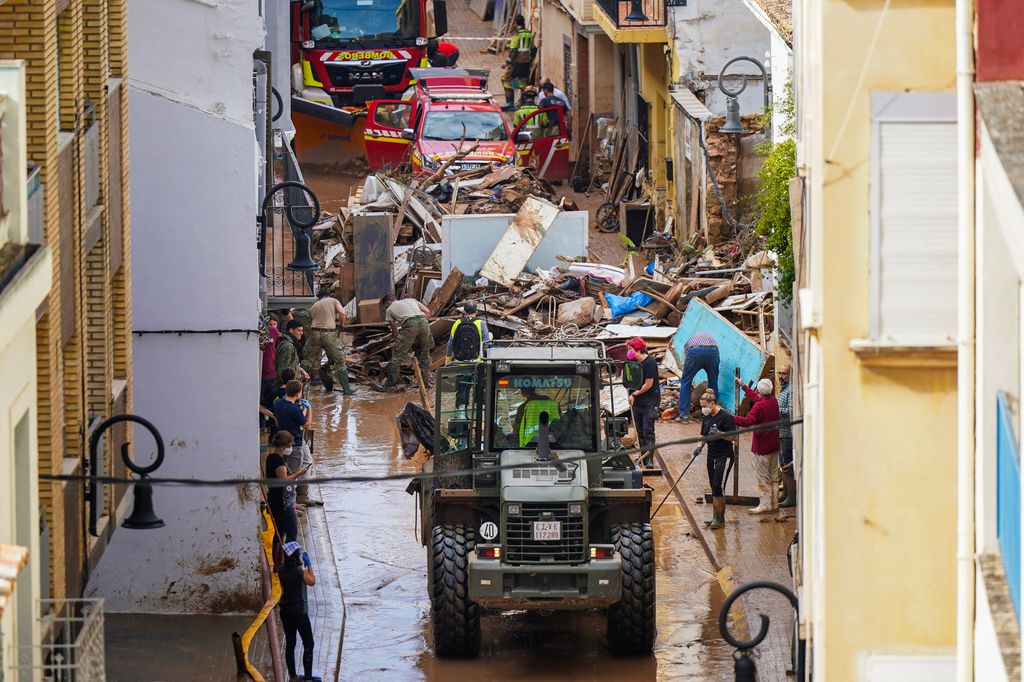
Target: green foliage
point(630, 249)
point(775, 221)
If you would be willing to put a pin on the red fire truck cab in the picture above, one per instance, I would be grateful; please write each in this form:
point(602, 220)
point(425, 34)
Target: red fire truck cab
point(347, 52)
point(448, 111)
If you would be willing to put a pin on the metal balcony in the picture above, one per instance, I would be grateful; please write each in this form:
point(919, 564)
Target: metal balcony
point(73, 648)
point(633, 21)
point(1008, 510)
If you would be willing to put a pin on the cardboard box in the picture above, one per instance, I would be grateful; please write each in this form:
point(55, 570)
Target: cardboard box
point(371, 311)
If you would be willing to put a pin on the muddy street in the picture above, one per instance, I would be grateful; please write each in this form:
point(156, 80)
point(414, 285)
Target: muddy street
point(383, 575)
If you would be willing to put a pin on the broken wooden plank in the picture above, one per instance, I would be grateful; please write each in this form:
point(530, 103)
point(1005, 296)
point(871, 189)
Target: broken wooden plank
point(443, 296)
point(520, 240)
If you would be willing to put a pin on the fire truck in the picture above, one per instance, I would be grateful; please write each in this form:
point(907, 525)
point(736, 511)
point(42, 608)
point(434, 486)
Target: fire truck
point(346, 53)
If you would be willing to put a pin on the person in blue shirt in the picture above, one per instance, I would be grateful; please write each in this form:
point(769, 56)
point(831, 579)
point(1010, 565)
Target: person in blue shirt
point(292, 413)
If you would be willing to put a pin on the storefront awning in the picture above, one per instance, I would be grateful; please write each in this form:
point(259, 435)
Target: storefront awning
point(690, 104)
point(12, 558)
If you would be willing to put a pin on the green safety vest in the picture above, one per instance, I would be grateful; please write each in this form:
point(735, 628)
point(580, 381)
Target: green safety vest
point(524, 111)
point(529, 427)
point(520, 47)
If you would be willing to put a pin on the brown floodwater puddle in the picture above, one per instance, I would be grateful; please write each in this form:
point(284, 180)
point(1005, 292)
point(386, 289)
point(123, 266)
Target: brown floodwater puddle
point(383, 575)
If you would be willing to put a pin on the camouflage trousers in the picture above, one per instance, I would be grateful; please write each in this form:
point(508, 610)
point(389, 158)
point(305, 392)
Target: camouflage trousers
point(414, 332)
point(324, 341)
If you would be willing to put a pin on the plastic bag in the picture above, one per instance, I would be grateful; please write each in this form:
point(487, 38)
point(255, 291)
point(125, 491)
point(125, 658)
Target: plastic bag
point(623, 305)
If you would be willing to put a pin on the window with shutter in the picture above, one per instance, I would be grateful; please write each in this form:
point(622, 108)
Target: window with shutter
point(914, 219)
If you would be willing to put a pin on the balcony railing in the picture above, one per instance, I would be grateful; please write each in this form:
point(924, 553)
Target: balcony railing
point(1008, 510)
point(278, 244)
point(634, 13)
point(76, 652)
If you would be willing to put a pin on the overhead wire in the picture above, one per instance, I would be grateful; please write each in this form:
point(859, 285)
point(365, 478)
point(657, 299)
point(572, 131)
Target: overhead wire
point(423, 475)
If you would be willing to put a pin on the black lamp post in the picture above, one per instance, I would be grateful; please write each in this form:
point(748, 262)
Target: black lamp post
point(302, 257)
point(733, 125)
point(143, 515)
point(636, 12)
point(744, 668)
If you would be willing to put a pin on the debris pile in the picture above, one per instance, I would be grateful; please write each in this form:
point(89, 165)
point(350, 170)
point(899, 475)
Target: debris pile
point(501, 238)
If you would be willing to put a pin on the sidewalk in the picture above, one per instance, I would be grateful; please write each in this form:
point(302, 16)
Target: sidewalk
point(166, 648)
point(144, 647)
point(751, 549)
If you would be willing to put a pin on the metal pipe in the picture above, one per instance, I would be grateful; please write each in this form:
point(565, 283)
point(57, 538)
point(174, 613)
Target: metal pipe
point(965, 605)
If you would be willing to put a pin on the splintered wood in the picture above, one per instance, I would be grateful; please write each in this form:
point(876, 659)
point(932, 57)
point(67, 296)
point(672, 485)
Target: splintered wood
point(519, 242)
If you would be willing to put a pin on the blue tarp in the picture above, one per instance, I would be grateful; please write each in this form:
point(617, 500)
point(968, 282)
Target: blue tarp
point(734, 350)
point(624, 305)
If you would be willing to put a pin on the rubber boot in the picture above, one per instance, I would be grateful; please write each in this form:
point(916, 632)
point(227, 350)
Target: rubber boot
point(774, 498)
point(789, 483)
point(764, 494)
point(510, 100)
point(718, 520)
point(343, 380)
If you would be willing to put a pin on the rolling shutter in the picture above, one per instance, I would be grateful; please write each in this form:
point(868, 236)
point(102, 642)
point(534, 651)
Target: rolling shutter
point(916, 233)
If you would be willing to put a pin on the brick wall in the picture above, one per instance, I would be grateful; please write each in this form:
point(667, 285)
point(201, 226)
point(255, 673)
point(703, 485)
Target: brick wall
point(84, 334)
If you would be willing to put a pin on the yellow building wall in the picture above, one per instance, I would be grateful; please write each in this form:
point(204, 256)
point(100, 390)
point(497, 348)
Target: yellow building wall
point(653, 72)
point(882, 578)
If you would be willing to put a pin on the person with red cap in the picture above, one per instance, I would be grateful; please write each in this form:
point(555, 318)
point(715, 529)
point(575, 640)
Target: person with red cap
point(646, 400)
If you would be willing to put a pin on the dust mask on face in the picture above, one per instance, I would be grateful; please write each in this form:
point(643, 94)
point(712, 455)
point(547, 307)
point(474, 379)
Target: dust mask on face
point(705, 411)
point(631, 354)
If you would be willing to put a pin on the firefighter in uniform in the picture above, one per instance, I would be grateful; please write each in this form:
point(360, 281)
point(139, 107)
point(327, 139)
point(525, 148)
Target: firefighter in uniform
point(521, 51)
point(527, 107)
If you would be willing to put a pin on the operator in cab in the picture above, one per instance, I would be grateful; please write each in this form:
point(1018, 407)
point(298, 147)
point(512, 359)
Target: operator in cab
point(527, 423)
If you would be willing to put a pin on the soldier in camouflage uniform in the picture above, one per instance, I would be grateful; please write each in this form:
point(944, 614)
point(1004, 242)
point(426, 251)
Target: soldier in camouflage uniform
point(408, 318)
point(289, 353)
point(326, 318)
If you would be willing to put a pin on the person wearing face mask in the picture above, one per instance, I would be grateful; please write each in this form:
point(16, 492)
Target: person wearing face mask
point(716, 421)
point(646, 400)
point(786, 440)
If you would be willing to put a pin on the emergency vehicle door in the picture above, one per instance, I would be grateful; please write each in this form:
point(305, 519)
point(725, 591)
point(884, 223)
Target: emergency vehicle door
point(548, 147)
point(387, 144)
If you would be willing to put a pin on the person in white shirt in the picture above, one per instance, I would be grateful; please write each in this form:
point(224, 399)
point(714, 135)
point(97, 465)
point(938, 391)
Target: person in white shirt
point(555, 92)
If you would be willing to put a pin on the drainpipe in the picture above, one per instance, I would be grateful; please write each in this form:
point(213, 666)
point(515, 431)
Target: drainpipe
point(260, 116)
point(965, 341)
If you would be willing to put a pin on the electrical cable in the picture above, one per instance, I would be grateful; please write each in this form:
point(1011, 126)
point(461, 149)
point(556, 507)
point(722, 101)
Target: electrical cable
point(425, 475)
point(181, 332)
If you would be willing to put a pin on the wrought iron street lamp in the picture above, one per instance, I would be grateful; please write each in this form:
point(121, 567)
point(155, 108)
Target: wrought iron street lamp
point(143, 515)
point(636, 12)
point(302, 260)
point(744, 668)
point(733, 125)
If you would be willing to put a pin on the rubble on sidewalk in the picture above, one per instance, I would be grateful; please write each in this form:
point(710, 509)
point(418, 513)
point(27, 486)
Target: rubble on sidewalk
point(569, 296)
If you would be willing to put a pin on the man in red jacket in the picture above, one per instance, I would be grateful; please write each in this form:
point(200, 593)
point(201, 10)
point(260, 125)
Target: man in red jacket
point(765, 445)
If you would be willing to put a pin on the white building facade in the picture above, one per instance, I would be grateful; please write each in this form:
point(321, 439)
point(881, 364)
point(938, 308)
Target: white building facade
point(195, 184)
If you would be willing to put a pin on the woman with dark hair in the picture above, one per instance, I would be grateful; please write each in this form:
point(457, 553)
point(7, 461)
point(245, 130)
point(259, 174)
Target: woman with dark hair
point(717, 421)
point(281, 498)
point(296, 575)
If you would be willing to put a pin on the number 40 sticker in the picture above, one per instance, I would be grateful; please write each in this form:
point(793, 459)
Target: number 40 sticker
point(488, 530)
